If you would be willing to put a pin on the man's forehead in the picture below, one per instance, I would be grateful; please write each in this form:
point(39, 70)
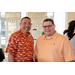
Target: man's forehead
point(47, 22)
point(26, 20)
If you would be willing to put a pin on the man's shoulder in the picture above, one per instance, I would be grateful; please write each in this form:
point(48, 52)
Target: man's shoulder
point(17, 32)
point(30, 35)
point(62, 36)
point(41, 37)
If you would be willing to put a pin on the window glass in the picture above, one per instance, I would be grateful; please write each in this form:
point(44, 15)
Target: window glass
point(2, 30)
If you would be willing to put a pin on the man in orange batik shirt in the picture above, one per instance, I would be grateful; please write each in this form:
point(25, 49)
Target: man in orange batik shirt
point(21, 45)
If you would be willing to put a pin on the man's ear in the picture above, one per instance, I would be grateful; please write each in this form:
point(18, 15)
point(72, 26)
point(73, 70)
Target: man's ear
point(54, 26)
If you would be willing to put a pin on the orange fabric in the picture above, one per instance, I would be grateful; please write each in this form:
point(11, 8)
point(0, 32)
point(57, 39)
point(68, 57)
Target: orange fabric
point(55, 49)
point(21, 45)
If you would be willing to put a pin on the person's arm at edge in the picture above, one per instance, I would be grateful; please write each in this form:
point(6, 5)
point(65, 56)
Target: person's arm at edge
point(10, 58)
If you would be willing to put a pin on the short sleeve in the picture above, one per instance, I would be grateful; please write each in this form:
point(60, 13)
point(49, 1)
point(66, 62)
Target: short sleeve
point(11, 47)
point(68, 51)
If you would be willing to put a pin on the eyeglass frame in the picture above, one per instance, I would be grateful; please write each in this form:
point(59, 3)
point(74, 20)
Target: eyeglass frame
point(49, 26)
point(28, 23)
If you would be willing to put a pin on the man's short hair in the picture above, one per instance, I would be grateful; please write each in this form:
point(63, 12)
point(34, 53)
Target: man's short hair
point(48, 19)
point(25, 18)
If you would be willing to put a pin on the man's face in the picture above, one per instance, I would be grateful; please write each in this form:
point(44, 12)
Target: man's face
point(25, 25)
point(49, 28)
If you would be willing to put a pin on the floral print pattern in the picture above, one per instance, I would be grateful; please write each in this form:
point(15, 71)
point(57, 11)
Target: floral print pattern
point(21, 45)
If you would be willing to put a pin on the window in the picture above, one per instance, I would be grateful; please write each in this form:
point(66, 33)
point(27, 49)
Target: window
point(50, 15)
point(60, 20)
point(2, 29)
point(23, 14)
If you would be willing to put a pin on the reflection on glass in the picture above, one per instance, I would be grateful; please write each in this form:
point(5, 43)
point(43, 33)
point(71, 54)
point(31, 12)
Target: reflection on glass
point(2, 28)
point(2, 14)
point(50, 15)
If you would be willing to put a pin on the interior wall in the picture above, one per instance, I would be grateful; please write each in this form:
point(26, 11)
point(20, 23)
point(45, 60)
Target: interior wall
point(13, 14)
point(70, 16)
point(59, 20)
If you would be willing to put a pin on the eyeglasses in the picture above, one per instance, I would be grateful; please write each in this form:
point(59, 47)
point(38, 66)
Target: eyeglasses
point(27, 23)
point(49, 26)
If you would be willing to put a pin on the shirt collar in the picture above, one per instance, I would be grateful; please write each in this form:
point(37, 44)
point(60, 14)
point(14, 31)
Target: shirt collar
point(52, 37)
point(23, 32)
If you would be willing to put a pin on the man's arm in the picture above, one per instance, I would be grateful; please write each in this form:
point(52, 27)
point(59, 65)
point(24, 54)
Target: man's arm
point(10, 58)
point(68, 51)
point(36, 59)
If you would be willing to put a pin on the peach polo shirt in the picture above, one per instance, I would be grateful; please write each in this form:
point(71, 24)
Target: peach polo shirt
point(55, 49)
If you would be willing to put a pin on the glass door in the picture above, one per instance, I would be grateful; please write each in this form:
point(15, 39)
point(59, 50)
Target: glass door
point(2, 30)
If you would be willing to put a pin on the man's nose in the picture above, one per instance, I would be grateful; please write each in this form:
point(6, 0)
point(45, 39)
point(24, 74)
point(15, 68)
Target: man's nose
point(27, 24)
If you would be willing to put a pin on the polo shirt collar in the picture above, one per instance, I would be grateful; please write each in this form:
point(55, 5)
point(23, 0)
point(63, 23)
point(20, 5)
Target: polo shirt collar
point(52, 37)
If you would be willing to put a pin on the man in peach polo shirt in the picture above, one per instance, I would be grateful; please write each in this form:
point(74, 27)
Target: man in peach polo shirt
point(52, 46)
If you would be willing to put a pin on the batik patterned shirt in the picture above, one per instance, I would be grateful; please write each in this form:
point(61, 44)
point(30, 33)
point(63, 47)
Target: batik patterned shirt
point(21, 45)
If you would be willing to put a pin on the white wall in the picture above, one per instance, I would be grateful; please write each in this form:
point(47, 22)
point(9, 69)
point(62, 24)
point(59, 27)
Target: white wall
point(59, 20)
point(23, 14)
